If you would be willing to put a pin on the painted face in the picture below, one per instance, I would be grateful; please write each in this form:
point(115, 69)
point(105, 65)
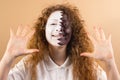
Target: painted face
point(58, 31)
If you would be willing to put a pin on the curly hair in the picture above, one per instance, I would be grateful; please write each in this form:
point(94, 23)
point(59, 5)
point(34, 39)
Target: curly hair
point(83, 67)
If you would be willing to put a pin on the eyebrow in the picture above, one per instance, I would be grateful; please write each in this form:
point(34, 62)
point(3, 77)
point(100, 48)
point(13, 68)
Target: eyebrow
point(56, 20)
point(53, 20)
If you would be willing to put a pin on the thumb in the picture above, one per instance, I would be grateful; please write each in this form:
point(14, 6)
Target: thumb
point(87, 54)
point(31, 51)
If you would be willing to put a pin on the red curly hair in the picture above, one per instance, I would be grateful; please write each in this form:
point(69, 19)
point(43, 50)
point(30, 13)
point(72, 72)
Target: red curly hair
point(83, 67)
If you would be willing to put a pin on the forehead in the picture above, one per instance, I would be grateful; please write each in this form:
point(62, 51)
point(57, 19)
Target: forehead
point(56, 15)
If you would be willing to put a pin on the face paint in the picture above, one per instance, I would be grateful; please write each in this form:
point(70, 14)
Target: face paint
point(58, 31)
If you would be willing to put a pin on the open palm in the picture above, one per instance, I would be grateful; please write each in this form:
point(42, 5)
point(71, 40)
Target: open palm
point(17, 42)
point(102, 47)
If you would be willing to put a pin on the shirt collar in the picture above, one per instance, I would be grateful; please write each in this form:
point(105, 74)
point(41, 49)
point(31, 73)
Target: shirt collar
point(51, 65)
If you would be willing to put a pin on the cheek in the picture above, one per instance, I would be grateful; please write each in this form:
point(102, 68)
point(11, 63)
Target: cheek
point(68, 31)
point(48, 32)
point(47, 29)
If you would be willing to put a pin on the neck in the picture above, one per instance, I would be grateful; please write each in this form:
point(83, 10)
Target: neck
point(58, 54)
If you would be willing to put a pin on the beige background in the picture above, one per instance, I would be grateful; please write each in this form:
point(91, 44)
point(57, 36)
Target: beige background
point(101, 13)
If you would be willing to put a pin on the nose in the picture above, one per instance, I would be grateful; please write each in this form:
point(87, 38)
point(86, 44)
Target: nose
point(59, 28)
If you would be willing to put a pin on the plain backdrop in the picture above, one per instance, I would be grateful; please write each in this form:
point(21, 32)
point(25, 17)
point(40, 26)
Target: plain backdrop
point(100, 13)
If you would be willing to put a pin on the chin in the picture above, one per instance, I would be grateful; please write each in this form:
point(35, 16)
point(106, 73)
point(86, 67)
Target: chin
point(59, 45)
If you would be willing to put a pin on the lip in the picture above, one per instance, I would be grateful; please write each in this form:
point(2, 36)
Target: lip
point(62, 41)
point(61, 38)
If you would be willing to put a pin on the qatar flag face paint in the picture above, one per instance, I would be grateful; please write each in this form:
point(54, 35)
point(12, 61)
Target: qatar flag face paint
point(58, 31)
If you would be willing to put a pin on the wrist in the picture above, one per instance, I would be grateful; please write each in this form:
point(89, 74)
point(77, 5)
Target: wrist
point(110, 63)
point(7, 59)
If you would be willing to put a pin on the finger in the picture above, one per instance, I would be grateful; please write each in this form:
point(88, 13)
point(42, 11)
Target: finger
point(109, 38)
point(87, 54)
point(29, 35)
point(102, 34)
point(11, 32)
point(91, 38)
point(25, 31)
point(19, 30)
point(97, 34)
point(28, 51)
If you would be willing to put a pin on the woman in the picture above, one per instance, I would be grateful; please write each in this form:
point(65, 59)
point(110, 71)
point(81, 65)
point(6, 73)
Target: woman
point(60, 49)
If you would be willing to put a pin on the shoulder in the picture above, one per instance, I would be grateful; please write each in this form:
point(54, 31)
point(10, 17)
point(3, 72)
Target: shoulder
point(101, 74)
point(20, 66)
point(19, 71)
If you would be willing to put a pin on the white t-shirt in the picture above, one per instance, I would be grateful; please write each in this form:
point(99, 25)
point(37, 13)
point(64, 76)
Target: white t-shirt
point(48, 71)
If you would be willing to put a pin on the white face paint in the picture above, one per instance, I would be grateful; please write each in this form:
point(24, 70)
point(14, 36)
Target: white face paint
point(58, 31)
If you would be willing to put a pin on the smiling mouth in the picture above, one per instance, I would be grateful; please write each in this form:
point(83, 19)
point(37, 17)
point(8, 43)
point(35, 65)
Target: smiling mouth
point(62, 38)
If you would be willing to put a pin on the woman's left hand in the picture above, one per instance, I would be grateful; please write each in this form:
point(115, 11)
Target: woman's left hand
point(102, 46)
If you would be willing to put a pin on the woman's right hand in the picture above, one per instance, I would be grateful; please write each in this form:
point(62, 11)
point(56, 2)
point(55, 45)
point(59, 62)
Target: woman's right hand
point(17, 44)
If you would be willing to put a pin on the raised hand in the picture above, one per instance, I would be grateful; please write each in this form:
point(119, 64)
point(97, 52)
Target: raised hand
point(18, 42)
point(16, 47)
point(102, 46)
